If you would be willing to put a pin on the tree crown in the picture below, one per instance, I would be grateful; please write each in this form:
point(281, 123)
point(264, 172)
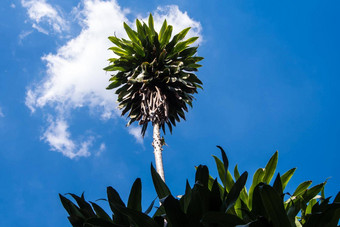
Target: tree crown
point(154, 74)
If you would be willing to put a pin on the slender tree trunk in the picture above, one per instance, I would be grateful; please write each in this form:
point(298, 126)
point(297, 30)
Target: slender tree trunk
point(157, 145)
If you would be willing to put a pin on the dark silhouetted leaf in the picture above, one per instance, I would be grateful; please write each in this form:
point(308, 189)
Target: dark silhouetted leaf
point(135, 197)
point(160, 187)
point(235, 191)
point(202, 175)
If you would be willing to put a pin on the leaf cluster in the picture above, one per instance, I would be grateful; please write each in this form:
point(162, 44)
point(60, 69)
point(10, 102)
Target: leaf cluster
point(215, 203)
point(154, 74)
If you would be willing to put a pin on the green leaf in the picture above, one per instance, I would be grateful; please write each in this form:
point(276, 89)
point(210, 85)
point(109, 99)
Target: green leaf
point(114, 200)
point(211, 182)
point(140, 31)
point(215, 200)
point(161, 32)
point(149, 34)
point(134, 38)
point(312, 192)
point(238, 207)
point(114, 84)
point(337, 198)
point(257, 178)
point(166, 37)
point(196, 206)
point(174, 213)
point(311, 203)
point(116, 41)
point(151, 24)
point(270, 168)
point(293, 207)
point(286, 177)
point(85, 207)
point(159, 212)
point(221, 172)
point(278, 185)
point(202, 175)
point(273, 205)
point(328, 216)
point(224, 158)
point(112, 60)
point(139, 50)
point(150, 206)
point(70, 207)
point(137, 217)
point(236, 173)
point(244, 197)
point(119, 51)
point(100, 212)
point(181, 46)
point(190, 40)
point(135, 197)
point(114, 68)
point(161, 188)
point(193, 78)
point(113, 196)
point(180, 36)
point(236, 190)
point(323, 193)
point(185, 199)
point(302, 188)
point(224, 174)
point(188, 52)
point(296, 222)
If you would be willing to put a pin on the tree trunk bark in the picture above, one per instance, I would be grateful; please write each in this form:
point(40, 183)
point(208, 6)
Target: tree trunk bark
point(157, 145)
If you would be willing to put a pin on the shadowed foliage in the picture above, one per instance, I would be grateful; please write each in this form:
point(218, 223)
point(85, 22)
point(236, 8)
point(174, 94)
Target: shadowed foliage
point(213, 203)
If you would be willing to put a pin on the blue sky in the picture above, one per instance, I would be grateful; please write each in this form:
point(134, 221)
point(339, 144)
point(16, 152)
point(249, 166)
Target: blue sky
point(271, 75)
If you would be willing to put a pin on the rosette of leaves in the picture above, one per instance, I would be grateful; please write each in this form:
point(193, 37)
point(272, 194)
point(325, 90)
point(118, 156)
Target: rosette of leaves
point(154, 74)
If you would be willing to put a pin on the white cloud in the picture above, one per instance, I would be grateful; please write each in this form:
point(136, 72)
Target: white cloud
point(58, 137)
point(12, 5)
point(102, 148)
point(178, 19)
point(135, 131)
point(74, 75)
point(23, 35)
point(40, 29)
point(41, 13)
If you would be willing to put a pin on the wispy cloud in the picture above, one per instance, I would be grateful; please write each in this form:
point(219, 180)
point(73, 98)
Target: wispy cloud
point(102, 148)
point(1, 113)
point(135, 131)
point(40, 29)
point(58, 137)
point(42, 14)
point(23, 35)
point(74, 76)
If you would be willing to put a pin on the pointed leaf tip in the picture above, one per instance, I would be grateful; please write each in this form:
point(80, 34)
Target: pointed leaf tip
point(224, 158)
point(160, 186)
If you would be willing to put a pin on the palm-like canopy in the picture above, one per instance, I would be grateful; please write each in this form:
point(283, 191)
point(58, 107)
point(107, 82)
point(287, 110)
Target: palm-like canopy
point(155, 77)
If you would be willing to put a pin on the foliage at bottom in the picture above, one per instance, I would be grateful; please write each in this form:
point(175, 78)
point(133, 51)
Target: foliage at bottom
point(213, 203)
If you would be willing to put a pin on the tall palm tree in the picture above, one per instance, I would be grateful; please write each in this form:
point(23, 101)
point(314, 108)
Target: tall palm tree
point(154, 78)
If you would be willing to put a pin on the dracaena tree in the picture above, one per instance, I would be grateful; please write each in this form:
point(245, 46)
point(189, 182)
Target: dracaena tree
point(154, 78)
